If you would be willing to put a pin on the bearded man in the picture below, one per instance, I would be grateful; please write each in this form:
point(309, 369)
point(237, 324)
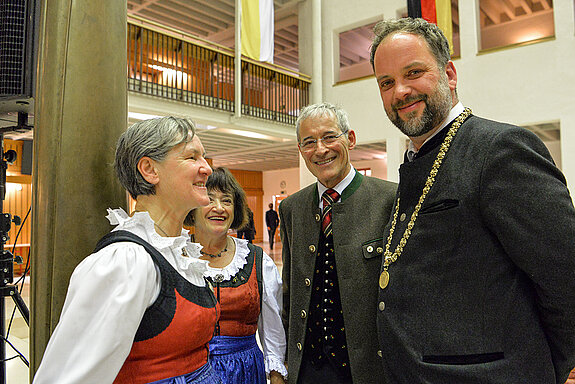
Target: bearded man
point(476, 283)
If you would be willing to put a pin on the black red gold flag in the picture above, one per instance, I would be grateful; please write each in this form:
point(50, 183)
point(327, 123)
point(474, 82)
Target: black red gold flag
point(434, 11)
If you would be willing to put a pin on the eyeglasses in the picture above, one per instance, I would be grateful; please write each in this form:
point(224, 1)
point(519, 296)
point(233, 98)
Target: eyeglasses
point(309, 145)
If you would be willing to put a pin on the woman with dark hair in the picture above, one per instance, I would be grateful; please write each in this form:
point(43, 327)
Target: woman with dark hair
point(247, 285)
point(138, 309)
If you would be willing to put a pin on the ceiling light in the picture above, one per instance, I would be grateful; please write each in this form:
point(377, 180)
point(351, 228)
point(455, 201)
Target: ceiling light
point(253, 135)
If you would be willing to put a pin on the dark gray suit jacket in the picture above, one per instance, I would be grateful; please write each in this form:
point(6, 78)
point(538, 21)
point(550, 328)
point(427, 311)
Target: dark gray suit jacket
point(358, 222)
point(484, 291)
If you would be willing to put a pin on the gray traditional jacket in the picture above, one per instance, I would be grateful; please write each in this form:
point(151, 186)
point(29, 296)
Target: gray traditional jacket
point(358, 222)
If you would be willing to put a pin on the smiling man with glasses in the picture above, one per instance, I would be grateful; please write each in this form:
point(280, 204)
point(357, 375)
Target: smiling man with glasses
point(332, 245)
point(325, 139)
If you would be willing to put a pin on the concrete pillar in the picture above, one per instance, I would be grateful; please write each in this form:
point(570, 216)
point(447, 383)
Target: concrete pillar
point(80, 111)
point(317, 53)
point(310, 62)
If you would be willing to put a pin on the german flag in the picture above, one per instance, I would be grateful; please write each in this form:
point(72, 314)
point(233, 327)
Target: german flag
point(434, 11)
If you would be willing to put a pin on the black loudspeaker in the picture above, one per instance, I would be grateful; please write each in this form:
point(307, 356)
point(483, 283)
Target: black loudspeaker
point(18, 54)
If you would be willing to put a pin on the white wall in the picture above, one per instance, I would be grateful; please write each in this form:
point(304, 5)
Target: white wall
point(360, 98)
point(378, 167)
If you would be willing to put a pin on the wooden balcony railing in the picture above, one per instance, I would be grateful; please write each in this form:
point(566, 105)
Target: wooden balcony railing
point(164, 63)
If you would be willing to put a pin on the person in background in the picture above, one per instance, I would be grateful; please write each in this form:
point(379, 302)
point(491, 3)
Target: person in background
point(248, 287)
point(249, 230)
point(272, 222)
point(331, 249)
point(138, 310)
point(476, 283)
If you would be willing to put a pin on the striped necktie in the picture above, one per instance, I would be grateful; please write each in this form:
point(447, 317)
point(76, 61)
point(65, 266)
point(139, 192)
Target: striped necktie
point(329, 197)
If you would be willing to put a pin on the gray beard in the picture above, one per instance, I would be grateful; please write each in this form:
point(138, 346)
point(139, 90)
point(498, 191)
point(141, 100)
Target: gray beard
point(437, 107)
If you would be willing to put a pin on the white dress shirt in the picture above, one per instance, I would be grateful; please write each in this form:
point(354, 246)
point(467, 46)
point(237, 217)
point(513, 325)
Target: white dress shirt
point(340, 187)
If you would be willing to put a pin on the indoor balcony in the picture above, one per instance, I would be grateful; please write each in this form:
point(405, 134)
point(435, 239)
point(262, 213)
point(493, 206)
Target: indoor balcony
point(165, 63)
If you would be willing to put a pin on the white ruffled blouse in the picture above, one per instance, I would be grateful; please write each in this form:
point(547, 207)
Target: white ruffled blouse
point(108, 294)
point(270, 329)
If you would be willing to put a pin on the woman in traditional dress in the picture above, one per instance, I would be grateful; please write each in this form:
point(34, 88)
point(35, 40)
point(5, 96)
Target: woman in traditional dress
point(138, 309)
point(247, 285)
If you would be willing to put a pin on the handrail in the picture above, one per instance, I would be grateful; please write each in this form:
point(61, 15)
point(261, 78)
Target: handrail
point(168, 63)
point(185, 36)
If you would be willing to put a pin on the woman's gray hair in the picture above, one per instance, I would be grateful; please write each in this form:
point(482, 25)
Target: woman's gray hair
point(152, 138)
point(322, 110)
point(436, 40)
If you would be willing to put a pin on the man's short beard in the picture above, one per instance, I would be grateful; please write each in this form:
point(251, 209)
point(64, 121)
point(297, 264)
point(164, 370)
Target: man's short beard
point(437, 107)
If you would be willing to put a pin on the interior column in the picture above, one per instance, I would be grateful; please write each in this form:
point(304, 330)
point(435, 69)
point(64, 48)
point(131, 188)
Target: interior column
point(80, 111)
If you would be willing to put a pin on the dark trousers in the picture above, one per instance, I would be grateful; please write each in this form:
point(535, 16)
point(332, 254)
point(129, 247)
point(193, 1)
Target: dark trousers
point(271, 235)
point(308, 374)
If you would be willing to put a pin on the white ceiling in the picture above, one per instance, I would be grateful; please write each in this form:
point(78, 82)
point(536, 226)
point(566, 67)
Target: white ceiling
point(253, 154)
point(240, 149)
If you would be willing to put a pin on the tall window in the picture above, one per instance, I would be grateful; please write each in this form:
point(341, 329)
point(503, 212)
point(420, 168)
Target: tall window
point(550, 134)
point(515, 22)
point(354, 52)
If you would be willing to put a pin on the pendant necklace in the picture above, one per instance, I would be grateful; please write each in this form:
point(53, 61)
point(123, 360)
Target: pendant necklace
point(217, 254)
point(389, 257)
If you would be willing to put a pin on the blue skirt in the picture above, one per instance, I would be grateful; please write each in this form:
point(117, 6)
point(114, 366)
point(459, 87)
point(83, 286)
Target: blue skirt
point(203, 375)
point(238, 360)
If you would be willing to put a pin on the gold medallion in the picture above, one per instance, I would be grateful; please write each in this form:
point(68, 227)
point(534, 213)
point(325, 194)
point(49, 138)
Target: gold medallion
point(383, 279)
